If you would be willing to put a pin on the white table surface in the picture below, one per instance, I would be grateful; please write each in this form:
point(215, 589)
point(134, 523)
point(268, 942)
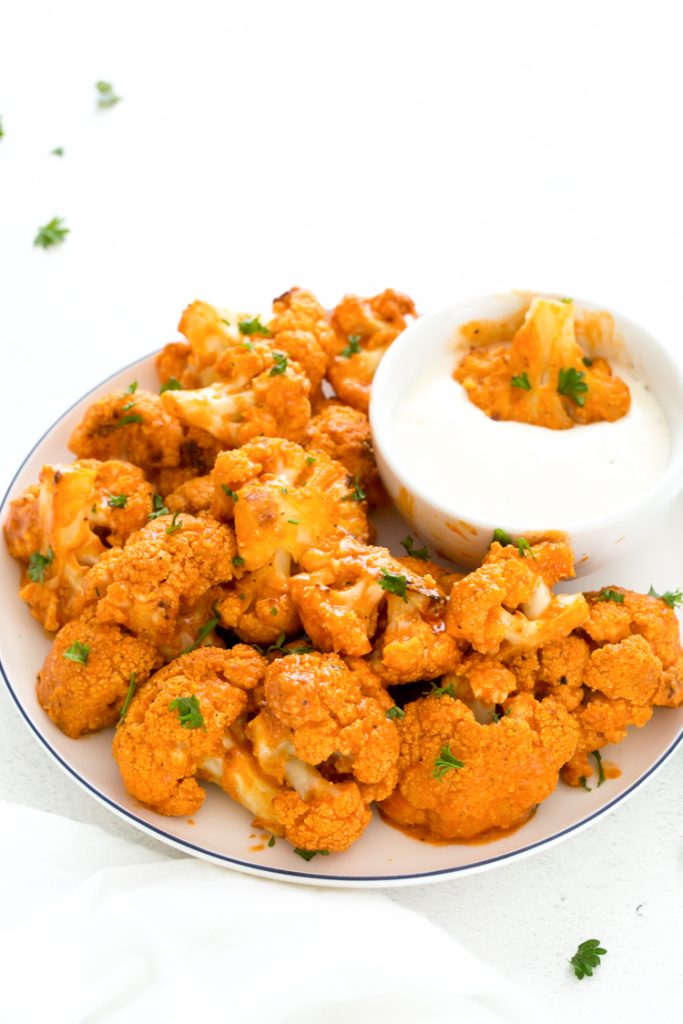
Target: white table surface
point(446, 149)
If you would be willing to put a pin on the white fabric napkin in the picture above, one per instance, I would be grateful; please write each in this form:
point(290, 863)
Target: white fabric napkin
point(96, 929)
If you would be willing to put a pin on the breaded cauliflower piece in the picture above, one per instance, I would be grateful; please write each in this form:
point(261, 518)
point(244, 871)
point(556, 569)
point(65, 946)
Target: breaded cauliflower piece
point(459, 779)
point(60, 527)
point(299, 310)
point(344, 434)
point(601, 720)
point(155, 585)
point(343, 588)
point(611, 621)
point(552, 559)
point(131, 426)
point(283, 501)
point(365, 329)
point(505, 607)
point(177, 722)
point(561, 670)
point(543, 377)
point(87, 673)
point(193, 495)
point(258, 391)
point(335, 715)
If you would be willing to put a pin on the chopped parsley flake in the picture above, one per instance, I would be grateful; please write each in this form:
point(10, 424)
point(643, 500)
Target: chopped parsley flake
point(238, 561)
point(281, 361)
point(309, 460)
point(174, 524)
point(601, 771)
point(37, 565)
point(207, 628)
point(671, 597)
point(357, 494)
point(414, 552)
point(524, 547)
point(106, 97)
point(131, 417)
point(393, 714)
point(57, 151)
point(501, 537)
point(310, 854)
point(132, 388)
point(394, 584)
point(158, 508)
point(353, 347)
point(229, 491)
point(522, 381)
point(117, 501)
point(171, 385)
point(445, 762)
point(570, 383)
point(254, 326)
point(584, 784)
point(442, 691)
point(587, 958)
point(129, 697)
point(52, 233)
point(188, 712)
point(611, 595)
point(78, 652)
point(271, 842)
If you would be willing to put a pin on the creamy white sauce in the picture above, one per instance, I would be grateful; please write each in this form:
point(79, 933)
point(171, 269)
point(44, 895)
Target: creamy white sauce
point(528, 476)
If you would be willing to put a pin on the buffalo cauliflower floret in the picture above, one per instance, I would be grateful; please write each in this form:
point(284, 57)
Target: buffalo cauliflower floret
point(334, 715)
point(60, 527)
point(193, 495)
point(176, 724)
point(616, 614)
point(601, 720)
point(283, 502)
point(365, 329)
point(260, 391)
point(299, 310)
point(344, 587)
point(459, 779)
point(132, 426)
point(344, 434)
point(158, 585)
point(88, 671)
point(552, 558)
point(543, 377)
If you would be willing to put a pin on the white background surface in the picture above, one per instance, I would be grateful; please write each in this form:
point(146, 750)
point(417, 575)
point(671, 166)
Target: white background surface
point(446, 149)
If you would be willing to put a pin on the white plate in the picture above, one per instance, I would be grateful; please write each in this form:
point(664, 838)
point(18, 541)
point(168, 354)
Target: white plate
point(222, 831)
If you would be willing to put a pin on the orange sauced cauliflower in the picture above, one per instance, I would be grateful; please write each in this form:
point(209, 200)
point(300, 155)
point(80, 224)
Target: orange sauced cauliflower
point(88, 671)
point(159, 585)
point(176, 723)
point(344, 434)
point(365, 329)
point(131, 425)
point(543, 377)
point(282, 501)
point(60, 527)
point(459, 779)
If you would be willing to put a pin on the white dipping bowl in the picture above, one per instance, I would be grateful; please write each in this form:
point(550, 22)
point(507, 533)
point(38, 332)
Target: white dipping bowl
point(452, 529)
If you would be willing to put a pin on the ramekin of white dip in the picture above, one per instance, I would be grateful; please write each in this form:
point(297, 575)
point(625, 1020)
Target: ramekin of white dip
point(456, 475)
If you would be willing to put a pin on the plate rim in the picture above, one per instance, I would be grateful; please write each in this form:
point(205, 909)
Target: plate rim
point(298, 877)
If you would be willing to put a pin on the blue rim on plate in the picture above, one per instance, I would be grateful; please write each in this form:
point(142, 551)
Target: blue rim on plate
point(250, 868)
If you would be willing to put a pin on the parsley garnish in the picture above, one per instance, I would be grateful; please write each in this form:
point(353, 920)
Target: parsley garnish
point(353, 347)
point(283, 490)
point(254, 326)
point(310, 854)
point(524, 547)
point(2, 130)
point(37, 564)
point(309, 460)
point(394, 584)
point(522, 381)
point(566, 300)
point(229, 491)
point(442, 691)
point(78, 652)
point(129, 697)
point(611, 595)
point(584, 784)
point(117, 501)
point(502, 537)
point(247, 344)
point(271, 842)
point(301, 649)
point(393, 714)
point(445, 762)
point(174, 524)
point(357, 494)
point(158, 508)
point(570, 382)
point(281, 361)
point(203, 633)
point(277, 646)
point(132, 387)
point(587, 361)
point(294, 522)
point(170, 385)
point(671, 597)
point(587, 958)
point(188, 712)
point(106, 95)
point(414, 552)
point(238, 561)
point(131, 417)
point(52, 233)
point(57, 151)
point(601, 771)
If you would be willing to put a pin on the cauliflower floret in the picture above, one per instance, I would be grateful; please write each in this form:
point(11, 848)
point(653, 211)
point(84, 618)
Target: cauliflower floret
point(158, 585)
point(612, 620)
point(344, 434)
point(86, 676)
point(60, 527)
point(176, 724)
point(283, 502)
point(543, 377)
point(505, 607)
point(313, 812)
point(193, 495)
point(259, 391)
point(459, 779)
point(601, 720)
point(343, 588)
point(561, 670)
point(299, 310)
point(552, 559)
point(132, 426)
point(365, 329)
point(335, 715)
